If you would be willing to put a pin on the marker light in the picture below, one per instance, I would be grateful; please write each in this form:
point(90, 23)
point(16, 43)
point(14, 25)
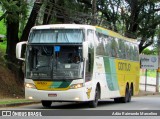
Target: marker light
point(30, 85)
point(75, 86)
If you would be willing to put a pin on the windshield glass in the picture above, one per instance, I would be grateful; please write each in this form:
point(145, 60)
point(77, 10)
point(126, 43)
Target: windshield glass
point(54, 62)
point(56, 36)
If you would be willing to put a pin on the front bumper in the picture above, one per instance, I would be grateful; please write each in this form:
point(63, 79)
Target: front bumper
point(67, 95)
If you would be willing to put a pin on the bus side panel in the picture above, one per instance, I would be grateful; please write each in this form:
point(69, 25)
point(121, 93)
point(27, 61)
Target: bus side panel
point(105, 73)
point(127, 72)
point(111, 76)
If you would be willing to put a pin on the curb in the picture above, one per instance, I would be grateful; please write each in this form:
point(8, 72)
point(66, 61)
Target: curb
point(143, 93)
point(17, 104)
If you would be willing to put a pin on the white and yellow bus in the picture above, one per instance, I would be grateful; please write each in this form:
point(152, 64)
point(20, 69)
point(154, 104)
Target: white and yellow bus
point(79, 63)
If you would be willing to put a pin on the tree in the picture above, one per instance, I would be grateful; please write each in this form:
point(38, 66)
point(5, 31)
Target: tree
point(133, 18)
point(48, 13)
point(94, 9)
point(150, 52)
point(63, 12)
point(14, 10)
point(143, 21)
point(32, 19)
point(12, 25)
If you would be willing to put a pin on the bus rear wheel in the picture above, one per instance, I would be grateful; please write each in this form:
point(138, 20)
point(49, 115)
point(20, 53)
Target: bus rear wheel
point(46, 103)
point(125, 99)
point(129, 95)
point(94, 103)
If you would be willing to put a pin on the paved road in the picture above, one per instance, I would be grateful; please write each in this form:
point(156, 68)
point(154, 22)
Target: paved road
point(138, 103)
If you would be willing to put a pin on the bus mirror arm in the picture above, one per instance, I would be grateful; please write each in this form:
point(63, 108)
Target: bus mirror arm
point(19, 50)
point(85, 50)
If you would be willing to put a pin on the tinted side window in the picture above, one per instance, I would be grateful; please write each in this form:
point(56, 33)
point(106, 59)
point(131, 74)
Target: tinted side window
point(107, 46)
point(114, 48)
point(100, 47)
point(131, 52)
point(127, 50)
point(122, 53)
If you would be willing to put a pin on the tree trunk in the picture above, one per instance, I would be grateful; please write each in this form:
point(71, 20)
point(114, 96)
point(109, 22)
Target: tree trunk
point(132, 26)
point(60, 13)
point(48, 12)
point(31, 20)
point(94, 10)
point(12, 40)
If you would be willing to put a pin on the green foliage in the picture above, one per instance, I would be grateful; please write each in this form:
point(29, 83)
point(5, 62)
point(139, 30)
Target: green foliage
point(150, 52)
point(23, 15)
point(2, 26)
point(150, 73)
point(12, 10)
point(3, 32)
point(16, 11)
point(133, 18)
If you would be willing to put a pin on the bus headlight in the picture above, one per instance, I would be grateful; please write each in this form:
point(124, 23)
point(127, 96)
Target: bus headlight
point(30, 85)
point(75, 86)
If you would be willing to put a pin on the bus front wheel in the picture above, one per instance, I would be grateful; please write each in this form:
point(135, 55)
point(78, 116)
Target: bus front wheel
point(94, 103)
point(46, 103)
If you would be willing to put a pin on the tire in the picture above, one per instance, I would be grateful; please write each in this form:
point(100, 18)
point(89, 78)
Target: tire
point(117, 100)
point(129, 95)
point(46, 103)
point(94, 103)
point(125, 99)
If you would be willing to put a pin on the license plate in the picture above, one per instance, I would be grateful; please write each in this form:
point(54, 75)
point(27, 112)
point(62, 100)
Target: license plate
point(52, 95)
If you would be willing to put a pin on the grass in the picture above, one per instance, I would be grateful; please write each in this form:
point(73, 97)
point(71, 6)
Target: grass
point(13, 101)
point(150, 73)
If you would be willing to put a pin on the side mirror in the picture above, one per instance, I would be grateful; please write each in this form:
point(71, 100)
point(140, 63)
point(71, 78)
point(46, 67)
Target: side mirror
point(85, 50)
point(19, 50)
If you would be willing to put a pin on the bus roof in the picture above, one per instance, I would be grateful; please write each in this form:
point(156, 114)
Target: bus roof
point(113, 34)
point(81, 26)
point(64, 26)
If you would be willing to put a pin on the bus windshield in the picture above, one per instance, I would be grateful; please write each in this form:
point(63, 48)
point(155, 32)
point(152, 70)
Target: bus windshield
point(54, 62)
point(56, 36)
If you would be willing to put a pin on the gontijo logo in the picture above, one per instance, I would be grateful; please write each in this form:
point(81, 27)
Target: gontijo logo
point(153, 59)
point(124, 66)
